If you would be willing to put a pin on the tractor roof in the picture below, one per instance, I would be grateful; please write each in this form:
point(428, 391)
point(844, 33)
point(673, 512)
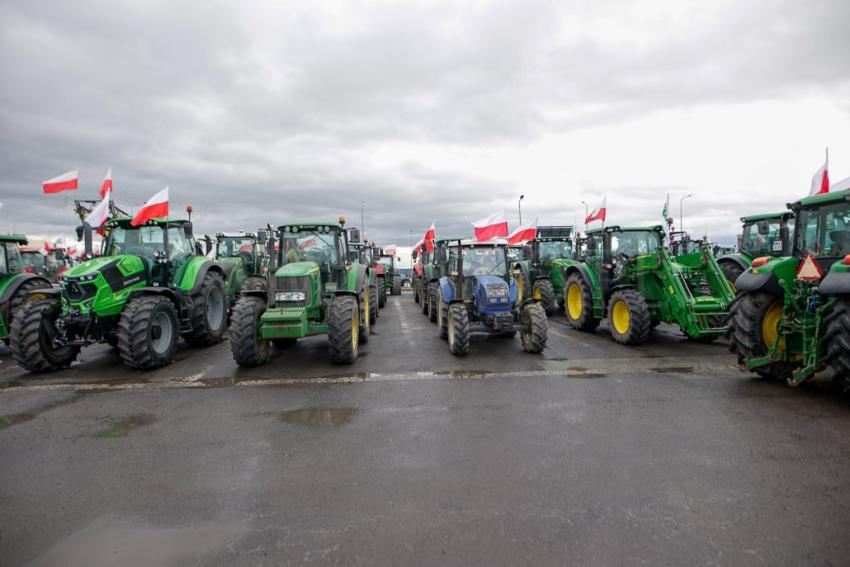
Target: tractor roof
point(766, 216)
point(19, 238)
point(221, 235)
point(616, 228)
point(821, 199)
point(450, 238)
point(125, 221)
point(312, 223)
point(553, 232)
point(470, 242)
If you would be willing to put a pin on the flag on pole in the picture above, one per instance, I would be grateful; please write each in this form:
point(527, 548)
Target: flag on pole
point(597, 214)
point(522, 234)
point(65, 182)
point(430, 235)
point(156, 207)
point(106, 186)
point(665, 213)
point(820, 180)
point(100, 214)
point(493, 226)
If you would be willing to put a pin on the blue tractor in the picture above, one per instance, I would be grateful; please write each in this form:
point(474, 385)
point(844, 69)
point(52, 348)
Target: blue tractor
point(478, 297)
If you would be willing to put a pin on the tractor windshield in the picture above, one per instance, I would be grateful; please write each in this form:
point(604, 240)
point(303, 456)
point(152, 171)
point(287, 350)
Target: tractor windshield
point(824, 232)
point(635, 243)
point(318, 244)
point(386, 262)
point(10, 258)
point(146, 241)
point(551, 250)
point(234, 247)
point(33, 262)
point(756, 244)
point(484, 261)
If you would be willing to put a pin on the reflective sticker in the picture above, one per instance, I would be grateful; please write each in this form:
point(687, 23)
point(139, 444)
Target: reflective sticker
point(809, 269)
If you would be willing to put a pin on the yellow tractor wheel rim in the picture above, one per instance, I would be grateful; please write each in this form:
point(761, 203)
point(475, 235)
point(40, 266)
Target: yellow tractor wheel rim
point(538, 295)
point(519, 288)
point(574, 301)
point(770, 325)
point(620, 317)
point(355, 328)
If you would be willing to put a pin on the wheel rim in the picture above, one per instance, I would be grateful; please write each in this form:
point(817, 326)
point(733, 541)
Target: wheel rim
point(770, 325)
point(355, 327)
point(367, 313)
point(574, 302)
point(451, 333)
point(538, 295)
point(163, 323)
point(215, 308)
point(620, 317)
point(520, 287)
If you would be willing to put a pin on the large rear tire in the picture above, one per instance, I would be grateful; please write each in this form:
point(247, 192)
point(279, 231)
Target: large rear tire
point(344, 329)
point(147, 332)
point(731, 270)
point(367, 305)
point(382, 292)
point(32, 337)
point(533, 316)
point(458, 331)
point(578, 304)
point(545, 294)
point(433, 293)
point(423, 296)
point(248, 347)
point(396, 283)
point(628, 317)
point(754, 324)
point(209, 312)
point(836, 340)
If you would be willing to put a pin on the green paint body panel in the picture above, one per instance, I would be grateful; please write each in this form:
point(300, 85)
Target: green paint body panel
point(16, 238)
point(189, 273)
point(236, 275)
point(290, 323)
point(105, 302)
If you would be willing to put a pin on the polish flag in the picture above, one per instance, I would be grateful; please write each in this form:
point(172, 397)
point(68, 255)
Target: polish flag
point(597, 214)
point(430, 235)
point(417, 250)
point(522, 234)
point(491, 227)
point(65, 182)
point(100, 214)
point(106, 186)
point(820, 180)
point(390, 250)
point(156, 207)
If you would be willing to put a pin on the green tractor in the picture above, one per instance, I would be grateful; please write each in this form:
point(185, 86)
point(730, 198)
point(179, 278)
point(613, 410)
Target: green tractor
point(317, 289)
point(435, 268)
point(792, 315)
point(630, 277)
point(392, 276)
point(152, 285)
point(245, 259)
point(15, 283)
point(540, 273)
point(365, 254)
point(762, 235)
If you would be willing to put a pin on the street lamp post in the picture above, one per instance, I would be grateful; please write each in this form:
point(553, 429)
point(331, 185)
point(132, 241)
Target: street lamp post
point(519, 206)
point(362, 224)
point(681, 217)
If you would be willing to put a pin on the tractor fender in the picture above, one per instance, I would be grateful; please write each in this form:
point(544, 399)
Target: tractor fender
point(581, 270)
point(447, 289)
point(363, 275)
point(733, 259)
point(10, 290)
point(157, 290)
point(198, 278)
point(764, 281)
point(835, 283)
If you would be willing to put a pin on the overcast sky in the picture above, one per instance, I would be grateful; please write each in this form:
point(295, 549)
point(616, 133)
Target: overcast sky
point(260, 112)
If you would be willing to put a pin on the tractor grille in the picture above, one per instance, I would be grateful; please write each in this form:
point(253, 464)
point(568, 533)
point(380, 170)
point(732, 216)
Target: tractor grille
point(294, 284)
point(74, 291)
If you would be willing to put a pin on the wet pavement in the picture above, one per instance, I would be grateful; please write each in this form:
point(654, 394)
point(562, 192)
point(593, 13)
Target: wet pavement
point(593, 453)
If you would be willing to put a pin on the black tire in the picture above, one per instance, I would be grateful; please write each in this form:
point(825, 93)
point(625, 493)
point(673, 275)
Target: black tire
point(31, 337)
point(637, 324)
point(254, 283)
point(248, 348)
point(533, 316)
point(147, 332)
point(836, 341)
point(433, 291)
point(344, 329)
point(415, 292)
point(544, 290)
point(747, 334)
point(209, 312)
point(731, 270)
point(21, 296)
point(458, 332)
point(581, 318)
point(442, 317)
point(382, 292)
point(396, 285)
point(423, 296)
point(373, 305)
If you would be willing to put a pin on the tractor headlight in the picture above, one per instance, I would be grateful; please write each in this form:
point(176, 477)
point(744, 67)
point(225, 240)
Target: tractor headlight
point(497, 290)
point(290, 296)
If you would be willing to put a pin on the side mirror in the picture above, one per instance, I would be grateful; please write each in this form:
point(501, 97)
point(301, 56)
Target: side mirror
point(262, 236)
point(208, 244)
point(763, 227)
point(354, 234)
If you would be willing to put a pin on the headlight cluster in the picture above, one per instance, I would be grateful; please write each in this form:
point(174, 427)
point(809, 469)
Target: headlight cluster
point(290, 296)
point(497, 290)
point(85, 278)
point(319, 229)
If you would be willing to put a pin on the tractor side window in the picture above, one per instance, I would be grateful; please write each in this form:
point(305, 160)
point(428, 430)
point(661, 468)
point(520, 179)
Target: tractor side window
point(4, 265)
point(179, 247)
point(757, 244)
point(13, 258)
point(453, 256)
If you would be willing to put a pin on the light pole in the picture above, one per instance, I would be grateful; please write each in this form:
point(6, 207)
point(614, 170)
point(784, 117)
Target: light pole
point(586, 212)
point(362, 224)
point(519, 206)
point(681, 217)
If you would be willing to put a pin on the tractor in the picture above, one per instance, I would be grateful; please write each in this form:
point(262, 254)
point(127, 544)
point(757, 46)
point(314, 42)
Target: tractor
point(15, 283)
point(364, 253)
point(435, 268)
point(540, 272)
point(244, 258)
point(315, 289)
point(792, 315)
point(392, 278)
point(478, 297)
point(152, 284)
point(762, 235)
point(630, 277)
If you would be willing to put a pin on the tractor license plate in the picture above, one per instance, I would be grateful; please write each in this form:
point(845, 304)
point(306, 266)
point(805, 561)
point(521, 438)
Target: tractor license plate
point(503, 321)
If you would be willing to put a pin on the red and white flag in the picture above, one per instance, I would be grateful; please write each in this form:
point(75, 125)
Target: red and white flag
point(390, 250)
point(522, 234)
point(100, 214)
point(64, 182)
point(596, 214)
point(156, 207)
point(493, 226)
point(820, 180)
point(430, 235)
point(106, 186)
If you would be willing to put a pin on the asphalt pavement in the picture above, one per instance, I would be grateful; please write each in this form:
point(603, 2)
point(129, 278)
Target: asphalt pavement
point(590, 454)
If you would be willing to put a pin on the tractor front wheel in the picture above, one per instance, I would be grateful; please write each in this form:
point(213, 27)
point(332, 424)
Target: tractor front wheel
point(246, 344)
point(754, 323)
point(578, 304)
point(382, 292)
point(423, 297)
point(147, 332)
point(22, 295)
point(837, 341)
point(533, 316)
point(458, 331)
point(442, 317)
point(33, 337)
point(209, 312)
point(344, 329)
point(396, 283)
point(433, 292)
point(628, 317)
point(545, 294)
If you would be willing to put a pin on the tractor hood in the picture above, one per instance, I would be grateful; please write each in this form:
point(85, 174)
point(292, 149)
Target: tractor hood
point(126, 264)
point(495, 293)
point(102, 285)
point(296, 269)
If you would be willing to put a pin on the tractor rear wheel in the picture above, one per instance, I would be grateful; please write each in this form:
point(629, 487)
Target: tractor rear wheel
point(578, 304)
point(246, 344)
point(373, 305)
point(754, 323)
point(32, 337)
point(731, 270)
point(396, 283)
point(147, 332)
point(382, 292)
point(628, 317)
point(209, 312)
point(433, 292)
point(533, 316)
point(545, 294)
point(458, 330)
point(344, 329)
point(837, 341)
point(442, 317)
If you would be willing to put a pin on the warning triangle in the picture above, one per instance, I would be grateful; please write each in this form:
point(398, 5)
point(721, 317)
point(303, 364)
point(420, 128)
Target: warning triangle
point(809, 270)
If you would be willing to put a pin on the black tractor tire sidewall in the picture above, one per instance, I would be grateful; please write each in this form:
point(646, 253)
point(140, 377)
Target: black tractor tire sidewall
point(29, 342)
point(442, 317)
point(344, 349)
point(746, 337)
point(536, 332)
point(836, 341)
point(547, 295)
point(135, 332)
point(639, 317)
point(245, 343)
point(458, 334)
point(433, 291)
point(202, 333)
point(586, 321)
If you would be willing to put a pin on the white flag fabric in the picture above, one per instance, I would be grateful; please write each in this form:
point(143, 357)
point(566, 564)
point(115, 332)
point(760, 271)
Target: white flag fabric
point(100, 214)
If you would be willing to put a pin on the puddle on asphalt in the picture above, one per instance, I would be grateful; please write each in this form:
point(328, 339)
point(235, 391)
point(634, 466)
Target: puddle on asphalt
point(674, 370)
point(319, 417)
point(122, 427)
point(14, 419)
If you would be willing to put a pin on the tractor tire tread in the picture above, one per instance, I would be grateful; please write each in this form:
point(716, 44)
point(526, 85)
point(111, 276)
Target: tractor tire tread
point(133, 345)
point(243, 333)
point(343, 308)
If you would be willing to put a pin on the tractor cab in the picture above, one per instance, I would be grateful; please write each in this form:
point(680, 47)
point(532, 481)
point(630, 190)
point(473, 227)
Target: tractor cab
point(307, 248)
point(610, 245)
point(681, 243)
point(766, 235)
point(10, 254)
point(823, 229)
point(241, 247)
point(480, 275)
